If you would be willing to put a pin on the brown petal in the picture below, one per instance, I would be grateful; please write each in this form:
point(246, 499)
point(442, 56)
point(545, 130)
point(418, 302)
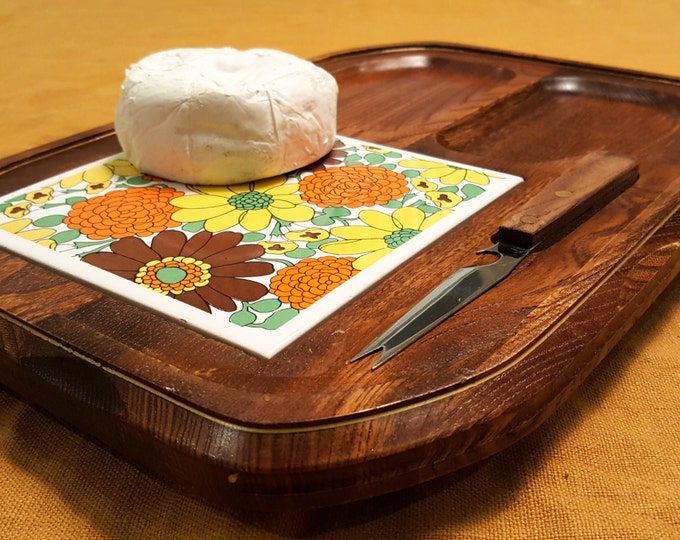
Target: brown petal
point(236, 254)
point(168, 243)
point(241, 289)
point(219, 242)
point(244, 269)
point(194, 299)
point(195, 243)
point(113, 262)
point(217, 299)
point(135, 249)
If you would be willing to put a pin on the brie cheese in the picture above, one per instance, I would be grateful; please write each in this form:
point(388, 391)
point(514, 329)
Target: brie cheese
point(223, 116)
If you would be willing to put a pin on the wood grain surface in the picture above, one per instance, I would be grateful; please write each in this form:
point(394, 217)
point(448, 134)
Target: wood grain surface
point(308, 427)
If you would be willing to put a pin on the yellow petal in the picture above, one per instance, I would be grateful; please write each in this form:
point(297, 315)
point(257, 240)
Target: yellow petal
point(283, 189)
point(423, 185)
point(444, 199)
point(367, 260)
point(71, 181)
point(378, 220)
point(349, 247)
point(408, 217)
point(15, 226)
point(292, 213)
point(278, 247)
point(266, 184)
point(312, 234)
point(189, 215)
point(201, 201)
point(98, 174)
point(477, 178)
point(221, 191)
point(49, 243)
point(293, 198)
point(122, 167)
point(36, 234)
point(419, 163)
point(454, 177)
point(255, 220)
point(222, 222)
point(358, 232)
point(434, 218)
point(437, 172)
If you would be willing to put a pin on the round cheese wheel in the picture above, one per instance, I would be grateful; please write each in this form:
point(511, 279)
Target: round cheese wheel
point(224, 116)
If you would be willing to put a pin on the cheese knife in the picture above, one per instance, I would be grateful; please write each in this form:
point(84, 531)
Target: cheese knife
point(593, 181)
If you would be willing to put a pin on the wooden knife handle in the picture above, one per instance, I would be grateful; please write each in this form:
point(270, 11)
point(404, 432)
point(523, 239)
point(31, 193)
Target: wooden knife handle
point(595, 180)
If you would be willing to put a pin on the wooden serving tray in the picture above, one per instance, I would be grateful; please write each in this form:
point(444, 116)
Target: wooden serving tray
point(308, 427)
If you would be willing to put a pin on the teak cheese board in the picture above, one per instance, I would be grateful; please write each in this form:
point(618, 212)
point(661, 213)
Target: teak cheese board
point(305, 425)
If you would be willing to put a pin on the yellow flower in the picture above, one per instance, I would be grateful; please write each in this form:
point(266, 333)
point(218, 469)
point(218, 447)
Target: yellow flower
point(251, 205)
point(313, 234)
point(17, 210)
point(40, 196)
point(40, 236)
point(447, 174)
point(277, 248)
point(99, 177)
point(423, 185)
point(382, 235)
point(444, 199)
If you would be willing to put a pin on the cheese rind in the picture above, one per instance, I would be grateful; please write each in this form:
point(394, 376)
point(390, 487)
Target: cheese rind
point(224, 116)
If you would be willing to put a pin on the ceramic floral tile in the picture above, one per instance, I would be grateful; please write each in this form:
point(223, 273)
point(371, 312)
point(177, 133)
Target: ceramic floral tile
point(255, 264)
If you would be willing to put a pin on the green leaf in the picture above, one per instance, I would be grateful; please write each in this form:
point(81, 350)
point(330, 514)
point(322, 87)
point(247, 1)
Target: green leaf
point(322, 220)
point(243, 317)
point(429, 209)
point(410, 173)
point(73, 200)
point(336, 211)
point(374, 159)
point(65, 236)
point(49, 221)
point(278, 319)
point(268, 305)
point(394, 203)
point(300, 253)
point(253, 237)
point(352, 159)
point(194, 226)
point(137, 181)
point(319, 243)
point(449, 189)
point(471, 191)
point(392, 154)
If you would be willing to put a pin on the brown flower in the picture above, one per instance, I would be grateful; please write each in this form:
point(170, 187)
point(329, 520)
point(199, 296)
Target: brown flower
point(205, 270)
point(353, 186)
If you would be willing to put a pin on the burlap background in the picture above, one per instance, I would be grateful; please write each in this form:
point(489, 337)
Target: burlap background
point(607, 465)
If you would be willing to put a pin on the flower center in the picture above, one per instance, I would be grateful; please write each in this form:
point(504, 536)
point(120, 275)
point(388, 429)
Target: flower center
point(170, 275)
point(250, 200)
point(397, 238)
point(174, 275)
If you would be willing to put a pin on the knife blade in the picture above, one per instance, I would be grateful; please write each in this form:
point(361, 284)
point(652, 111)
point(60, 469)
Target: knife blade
point(593, 181)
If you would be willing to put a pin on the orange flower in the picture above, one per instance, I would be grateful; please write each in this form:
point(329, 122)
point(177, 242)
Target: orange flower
point(353, 186)
point(124, 213)
point(304, 283)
